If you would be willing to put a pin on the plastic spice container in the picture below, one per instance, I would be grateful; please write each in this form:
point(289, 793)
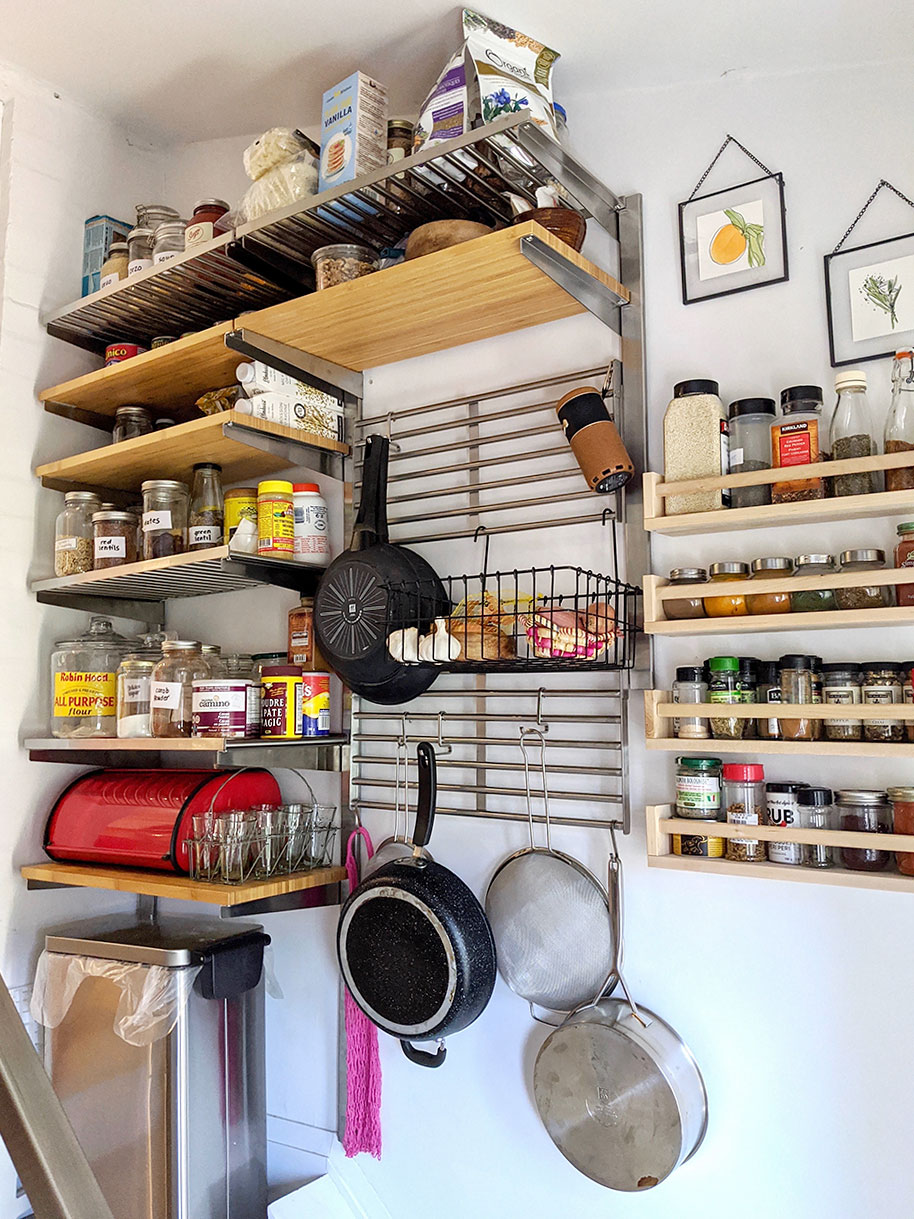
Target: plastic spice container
point(902, 799)
point(114, 268)
point(114, 539)
point(173, 679)
point(275, 519)
point(168, 242)
point(723, 606)
point(723, 687)
point(200, 226)
point(129, 422)
point(747, 684)
point(781, 808)
point(281, 702)
point(139, 249)
point(686, 607)
point(750, 447)
point(690, 686)
point(797, 687)
point(239, 505)
point(841, 688)
point(207, 518)
point(336, 264)
point(813, 600)
point(769, 691)
point(899, 424)
point(134, 688)
point(798, 439)
point(852, 433)
point(882, 686)
point(743, 801)
point(311, 524)
point(815, 808)
point(876, 596)
point(870, 812)
point(73, 533)
point(164, 517)
point(698, 788)
point(769, 603)
point(83, 677)
point(695, 444)
point(904, 557)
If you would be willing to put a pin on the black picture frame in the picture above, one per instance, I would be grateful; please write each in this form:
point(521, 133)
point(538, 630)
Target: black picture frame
point(776, 268)
point(844, 348)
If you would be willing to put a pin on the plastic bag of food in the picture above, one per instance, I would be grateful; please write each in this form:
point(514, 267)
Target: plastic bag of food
point(282, 164)
point(273, 148)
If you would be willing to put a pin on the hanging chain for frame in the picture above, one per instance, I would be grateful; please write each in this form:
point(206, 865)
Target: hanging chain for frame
point(731, 139)
point(863, 210)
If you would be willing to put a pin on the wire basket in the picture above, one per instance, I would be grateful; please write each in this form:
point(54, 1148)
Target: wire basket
point(254, 844)
point(537, 618)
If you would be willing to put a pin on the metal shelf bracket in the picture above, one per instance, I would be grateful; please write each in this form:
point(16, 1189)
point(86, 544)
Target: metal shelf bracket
point(589, 191)
point(596, 298)
point(322, 374)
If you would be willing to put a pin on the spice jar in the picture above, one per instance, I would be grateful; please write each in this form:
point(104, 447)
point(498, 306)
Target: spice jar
point(206, 507)
point(769, 691)
point(782, 808)
point(168, 242)
point(723, 687)
point(73, 533)
point(813, 600)
point(904, 557)
point(769, 603)
point(907, 696)
point(815, 808)
point(798, 439)
point(722, 606)
point(876, 596)
point(899, 424)
point(164, 517)
point(114, 268)
point(747, 684)
point(695, 444)
point(83, 677)
point(869, 812)
point(841, 688)
point(134, 689)
point(337, 264)
point(129, 422)
point(852, 432)
point(139, 250)
point(239, 505)
point(743, 800)
point(200, 226)
point(797, 687)
point(275, 519)
point(882, 686)
point(114, 539)
point(698, 788)
point(902, 799)
point(303, 649)
point(750, 448)
point(686, 607)
point(311, 524)
point(173, 680)
point(690, 687)
point(399, 139)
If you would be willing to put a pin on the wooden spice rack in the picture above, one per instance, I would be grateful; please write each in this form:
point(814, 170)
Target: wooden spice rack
point(662, 825)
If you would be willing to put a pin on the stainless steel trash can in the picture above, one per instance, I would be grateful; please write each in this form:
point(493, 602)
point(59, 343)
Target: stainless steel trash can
point(172, 1119)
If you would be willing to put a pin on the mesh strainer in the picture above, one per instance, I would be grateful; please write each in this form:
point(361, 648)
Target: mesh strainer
point(550, 916)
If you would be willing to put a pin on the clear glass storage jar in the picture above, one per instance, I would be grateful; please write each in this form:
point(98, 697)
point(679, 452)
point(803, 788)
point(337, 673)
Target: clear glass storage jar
point(875, 596)
point(336, 264)
point(131, 421)
point(721, 605)
point(723, 687)
point(904, 557)
point(852, 433)
point(899, 424)
point(73, 533)
point(84, 682)
point(134, 682)
point(841, 688)
point(782, 808)
point(750, 448)
point(902, 799)
point(113, 539)
point(743, 803)
point(690, 686)
point(207, 513)
point(816, 813)
point(168, 242)
point(770, 569)
point(747, 685)
point(114, 268)
point(813, 600)
point(907, 695)
point(686, 607)
point(797, 687)
point(200, 227)
point(165, 504)
point(173, 679)
point(797, 439)
point(882, 686)
point(866, 811)
point(151, 215)
point(139, 250)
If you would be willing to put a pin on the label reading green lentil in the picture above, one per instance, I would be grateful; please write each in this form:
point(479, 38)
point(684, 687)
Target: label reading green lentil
point(697, 795)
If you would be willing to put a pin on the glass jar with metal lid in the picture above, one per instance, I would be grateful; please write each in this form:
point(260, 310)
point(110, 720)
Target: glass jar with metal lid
point(169, 241)
point(336, 264)
point(139, 250)
point(876, 596)
point(134, 681)
point(686, 607)
point(841, 688)
point(114, 268)
point(212, 653)
point(750, 448)
point(722, 605)
point(151, 215)
point(200, 227)
point(870, 812)
point(173, 679)
point(113, 539)
point(399, 139)
point(904, 557)
point(797, 688)
point(83, 678)
point(882, 686)
point(813, 600)
point(770, 603)
point(769, 691)
point(902, 799)
point(73, 533)
point(130, 422)
point(165, 505)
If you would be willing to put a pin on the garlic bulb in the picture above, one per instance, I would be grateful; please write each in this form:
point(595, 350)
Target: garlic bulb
point(439, 645)
point(403, 645)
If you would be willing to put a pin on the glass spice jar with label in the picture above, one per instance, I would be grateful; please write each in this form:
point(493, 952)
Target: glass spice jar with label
point(797, 687)
point(134, 682)
point(73, 533)
point(113, 539)
point(782, 808)
point(907, 695)
point(769, 691)
point(690, 686)
point(173, 679)
point(882, 686)
point(165, 502)
point(747, 684)
point(743, 802)
point(686, 607)
point(750, 448)
point(875, 596)
point(902, 799)
point(723, 687)
point(206, 507)
point(813, 600)
point(798, 439)
point(904, 557)
point(724, 605)
point(841, 688)
point(698, 788)
point(770, 603)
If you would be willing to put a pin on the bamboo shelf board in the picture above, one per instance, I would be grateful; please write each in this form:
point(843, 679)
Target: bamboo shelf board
point(843, 877)
point(173, 452)
point(170, 378)
point(811, 749)
point(477, 290)
point(828, 620)
point(181, 888)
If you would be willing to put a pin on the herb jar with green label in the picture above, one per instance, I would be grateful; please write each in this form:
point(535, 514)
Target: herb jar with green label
point(698, 788)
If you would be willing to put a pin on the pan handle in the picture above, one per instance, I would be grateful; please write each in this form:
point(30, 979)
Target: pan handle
point(371, 522)
point(426, 797)
point(615, 914)
point(422, 1058)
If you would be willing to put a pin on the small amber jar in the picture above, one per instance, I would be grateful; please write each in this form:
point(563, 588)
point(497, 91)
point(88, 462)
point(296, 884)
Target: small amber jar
point(723, 605)
point(770, 603)
point(686, 607)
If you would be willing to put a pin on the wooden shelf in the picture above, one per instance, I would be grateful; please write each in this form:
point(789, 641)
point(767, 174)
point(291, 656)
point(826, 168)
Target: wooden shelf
point(325, 753)
point(844, 877)
point(904, 750)
point(172, 453)
point(181, 888)
point(477, 290)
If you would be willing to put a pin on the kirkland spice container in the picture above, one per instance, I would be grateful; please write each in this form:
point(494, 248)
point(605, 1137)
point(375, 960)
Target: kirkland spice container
point(798, 439)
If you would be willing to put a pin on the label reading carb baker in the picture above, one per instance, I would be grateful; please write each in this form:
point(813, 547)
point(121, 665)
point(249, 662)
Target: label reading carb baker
point(79, 695)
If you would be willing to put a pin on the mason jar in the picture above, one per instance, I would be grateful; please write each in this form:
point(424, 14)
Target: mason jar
point(173, 679)
point(165, 505)
point(867, 811)
point(73, 533)
point(169, 241)
point(134, 681)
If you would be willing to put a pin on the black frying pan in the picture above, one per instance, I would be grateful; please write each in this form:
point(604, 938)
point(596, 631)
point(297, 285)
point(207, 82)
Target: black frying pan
point(372, 589)
point(414, 944)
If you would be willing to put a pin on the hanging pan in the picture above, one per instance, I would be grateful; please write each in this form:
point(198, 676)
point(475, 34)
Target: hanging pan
point(550, 917)
point(371, 590)
point(616, 1087)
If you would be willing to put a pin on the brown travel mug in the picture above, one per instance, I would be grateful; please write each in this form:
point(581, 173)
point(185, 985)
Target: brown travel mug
point(595, 440)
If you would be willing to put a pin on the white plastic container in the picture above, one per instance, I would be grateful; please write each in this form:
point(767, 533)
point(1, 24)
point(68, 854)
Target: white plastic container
point(312, 524)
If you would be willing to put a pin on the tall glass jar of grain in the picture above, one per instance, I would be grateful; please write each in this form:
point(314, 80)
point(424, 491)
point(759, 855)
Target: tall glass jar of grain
point(695, 444)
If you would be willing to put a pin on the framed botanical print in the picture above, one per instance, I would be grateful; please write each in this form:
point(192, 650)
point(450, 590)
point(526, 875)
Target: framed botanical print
point(870, 299)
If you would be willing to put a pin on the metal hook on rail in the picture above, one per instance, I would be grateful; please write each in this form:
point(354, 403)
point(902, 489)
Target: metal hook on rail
point(442, 747)
point(390, 440)
point(485, 554)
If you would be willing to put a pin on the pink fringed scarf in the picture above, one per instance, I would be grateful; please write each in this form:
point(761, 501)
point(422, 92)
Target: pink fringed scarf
point(363, 1064)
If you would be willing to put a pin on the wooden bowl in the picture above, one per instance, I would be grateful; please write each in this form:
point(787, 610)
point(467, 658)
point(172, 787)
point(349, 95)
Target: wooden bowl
point(566, 224)
point(441, 234)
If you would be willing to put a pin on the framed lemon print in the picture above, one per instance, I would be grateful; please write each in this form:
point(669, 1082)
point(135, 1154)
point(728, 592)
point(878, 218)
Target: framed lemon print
point(733, 240)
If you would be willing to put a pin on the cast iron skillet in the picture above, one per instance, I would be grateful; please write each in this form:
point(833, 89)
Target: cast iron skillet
point(414, 944)
point(374, 588)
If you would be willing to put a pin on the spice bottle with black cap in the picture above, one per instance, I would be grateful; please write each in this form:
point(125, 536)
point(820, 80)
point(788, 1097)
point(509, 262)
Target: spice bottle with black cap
point(798, 438)
point(696, 444)
point(750, 447)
